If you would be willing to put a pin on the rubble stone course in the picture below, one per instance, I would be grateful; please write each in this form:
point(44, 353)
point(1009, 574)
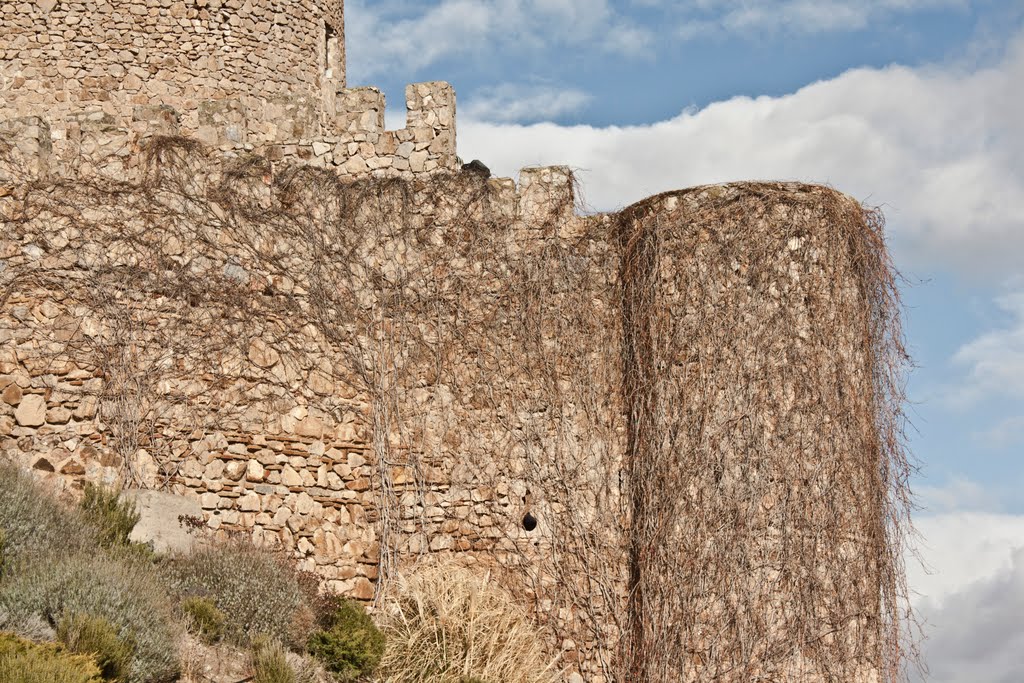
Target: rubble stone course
point(499, 426)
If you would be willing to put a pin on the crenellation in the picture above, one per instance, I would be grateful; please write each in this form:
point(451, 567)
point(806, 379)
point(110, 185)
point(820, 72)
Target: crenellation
point(365, 373)
point(93, 138)
point(360, 110)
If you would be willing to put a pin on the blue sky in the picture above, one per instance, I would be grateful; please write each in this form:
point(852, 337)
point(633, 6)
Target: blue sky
point(913, 105)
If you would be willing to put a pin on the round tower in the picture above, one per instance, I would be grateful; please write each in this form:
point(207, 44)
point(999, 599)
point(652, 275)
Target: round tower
point(267, 61)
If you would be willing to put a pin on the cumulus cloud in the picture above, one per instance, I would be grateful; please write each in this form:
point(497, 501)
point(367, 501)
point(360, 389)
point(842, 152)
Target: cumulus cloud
point(390, 34)
point(976, 633)
point(970, 592)
point(524, 103)
point(958, 494)
point(939, 148)
point(1007, 432)
point(960, 549)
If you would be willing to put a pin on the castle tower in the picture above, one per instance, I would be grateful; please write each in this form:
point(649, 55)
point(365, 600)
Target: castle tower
point(111, 62)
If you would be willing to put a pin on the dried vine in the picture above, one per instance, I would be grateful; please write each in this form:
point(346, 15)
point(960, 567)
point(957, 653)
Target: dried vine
point(725, 499)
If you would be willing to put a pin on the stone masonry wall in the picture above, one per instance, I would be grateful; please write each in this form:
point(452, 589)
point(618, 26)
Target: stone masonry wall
point(221, 276)
point(366, 374)
point(109, 58)
point(228, 384)
point(96, 144)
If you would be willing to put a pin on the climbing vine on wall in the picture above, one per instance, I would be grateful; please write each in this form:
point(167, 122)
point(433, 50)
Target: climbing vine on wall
point(697, 401)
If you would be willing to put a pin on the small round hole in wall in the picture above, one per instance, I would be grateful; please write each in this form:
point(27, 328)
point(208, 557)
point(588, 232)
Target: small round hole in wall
point(529, 521)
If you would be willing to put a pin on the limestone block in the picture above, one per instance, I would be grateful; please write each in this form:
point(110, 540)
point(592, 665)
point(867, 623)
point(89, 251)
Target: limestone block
point(222, 122)
point(262, 354)
point(362, 589)
point(546, 199)
point(214, 470)
point(159, 524)
point(417, 161)
point(155, 119)
point(359, 110)
point(145, 468)
point(291, 118)
point(282, 515)
point(289, 477)
point(311, 427)
point(31, 411)
point(250, 502)
point(254, 471)
point(304, 503)
point(235, 469)
point(12, 395)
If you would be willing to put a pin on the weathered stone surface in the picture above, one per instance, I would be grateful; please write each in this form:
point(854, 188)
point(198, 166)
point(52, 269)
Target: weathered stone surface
point(263, 355)
point(12, 395)
point(31, 411)
point(289, 477)
point(235, 469)
point(159, 514)
point(280, 445)
point(250, 502)
point(254, 471)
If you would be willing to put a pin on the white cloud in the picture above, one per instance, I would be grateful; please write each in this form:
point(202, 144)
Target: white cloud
point(962, 548)
point(995, 359)
point(976, 633)
point(393, 34)
point(939, 148)
point(518, 102)
point(1006, 432)
point(794, 17)
point(971, 595)
point(958, 494)
point(812, 16)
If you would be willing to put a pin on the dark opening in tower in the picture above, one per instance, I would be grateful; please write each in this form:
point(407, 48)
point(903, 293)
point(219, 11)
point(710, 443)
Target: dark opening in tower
point(333, 55)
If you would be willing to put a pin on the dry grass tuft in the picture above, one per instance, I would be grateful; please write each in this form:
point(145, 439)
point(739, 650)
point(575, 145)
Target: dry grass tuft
point(445, 624)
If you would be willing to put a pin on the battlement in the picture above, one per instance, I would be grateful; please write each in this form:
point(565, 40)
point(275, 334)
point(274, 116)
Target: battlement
point(363, 146)
point(95, 142)
point(240, 76)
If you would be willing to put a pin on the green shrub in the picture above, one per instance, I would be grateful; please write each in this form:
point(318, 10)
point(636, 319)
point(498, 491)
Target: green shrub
point(206, 620)
point(352, 647)
point(34, 522)
point(22, 661)
point(315, 614)
point(323, 605)
point(112, 517)
point(129, 595)
point(97, 637)
point(270, 663)
point(257, 591)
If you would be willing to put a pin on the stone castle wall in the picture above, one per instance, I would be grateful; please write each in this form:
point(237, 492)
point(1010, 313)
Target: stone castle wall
point(75, 60)
point(366, 374)
point(222, 276)
point(269, 414)
point(95, 144)
point(84, 87)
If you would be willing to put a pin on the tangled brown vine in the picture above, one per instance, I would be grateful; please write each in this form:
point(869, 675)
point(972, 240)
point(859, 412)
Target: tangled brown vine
point(698, 400)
